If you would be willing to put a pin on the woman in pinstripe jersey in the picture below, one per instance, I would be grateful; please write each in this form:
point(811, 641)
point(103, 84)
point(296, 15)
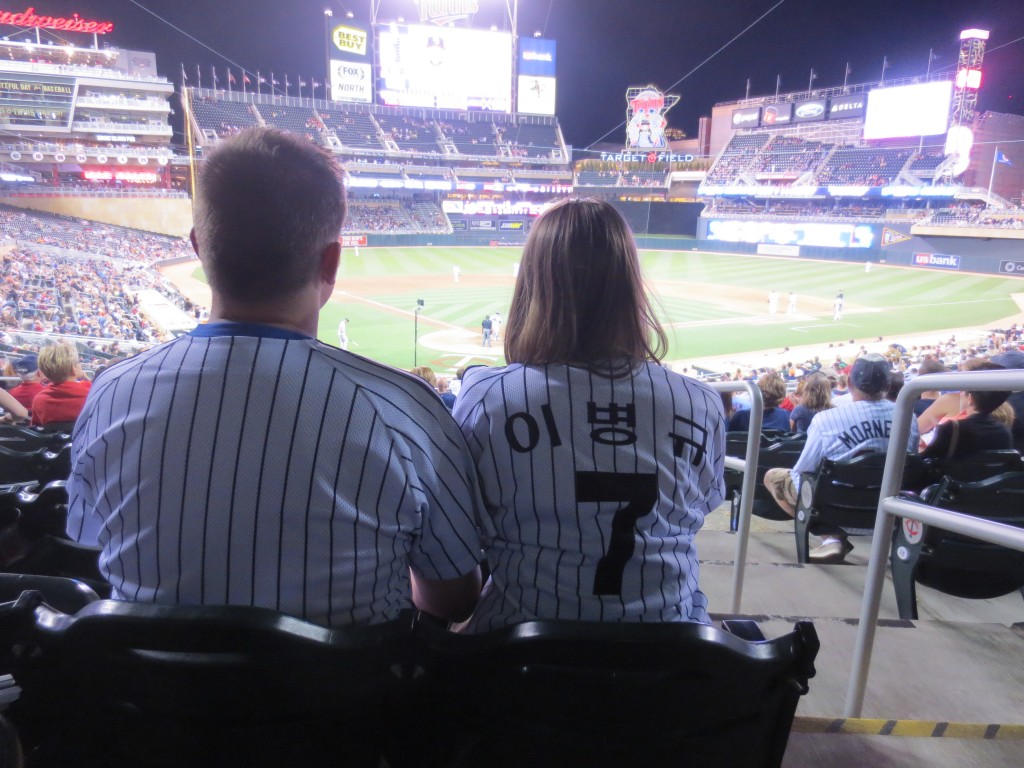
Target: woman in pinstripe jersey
point(597, 463)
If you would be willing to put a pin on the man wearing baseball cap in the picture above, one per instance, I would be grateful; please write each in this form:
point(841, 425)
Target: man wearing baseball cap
point(28, 368)
point(1014, 359)
point(860, 426)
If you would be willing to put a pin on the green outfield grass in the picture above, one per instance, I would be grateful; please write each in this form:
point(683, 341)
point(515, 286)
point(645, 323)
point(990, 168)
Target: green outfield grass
point(688, 288)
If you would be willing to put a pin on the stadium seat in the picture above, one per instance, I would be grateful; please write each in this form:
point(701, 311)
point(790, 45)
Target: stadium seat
point(954, 564)
point(41, 465)
point(781, 450)
point(67, 595)
point(57, 556)
point(136, 684)
point(979, 466)
point(846, 494)
point(567, 693)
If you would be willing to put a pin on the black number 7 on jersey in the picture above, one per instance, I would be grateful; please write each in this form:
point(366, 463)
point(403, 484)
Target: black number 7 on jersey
point(640, 491)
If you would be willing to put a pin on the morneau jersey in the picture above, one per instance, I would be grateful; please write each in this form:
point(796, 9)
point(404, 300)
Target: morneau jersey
point(247, 465)
point(594, 488)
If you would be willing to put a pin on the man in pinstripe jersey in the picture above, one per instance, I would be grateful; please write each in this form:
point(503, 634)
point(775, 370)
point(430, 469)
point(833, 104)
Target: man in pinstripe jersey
point(248, 463)
point(842, 432)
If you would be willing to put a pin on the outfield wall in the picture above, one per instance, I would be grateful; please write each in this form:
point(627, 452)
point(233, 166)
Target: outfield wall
point(890, 243)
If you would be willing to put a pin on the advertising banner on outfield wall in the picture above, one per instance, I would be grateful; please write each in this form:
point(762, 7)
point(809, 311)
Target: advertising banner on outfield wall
point(1009, 267)
point(841, 107)
point(749, 117)
point(347, 241)
point(936, 260)
point(777, 114)
point(810, 111)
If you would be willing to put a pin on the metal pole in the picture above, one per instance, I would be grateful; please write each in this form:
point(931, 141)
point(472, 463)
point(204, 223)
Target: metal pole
point(328, 13)
point(846, 76)
point(778, 84)
point(927, 77)
point(415, 335)
point(749, 478)
point(992, 177)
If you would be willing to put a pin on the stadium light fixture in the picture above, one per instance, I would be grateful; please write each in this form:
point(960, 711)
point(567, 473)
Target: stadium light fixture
point(537, 33)
point(349, 15)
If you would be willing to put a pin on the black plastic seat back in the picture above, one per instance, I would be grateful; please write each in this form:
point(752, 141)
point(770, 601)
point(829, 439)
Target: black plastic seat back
point(982, 465)
point(955, 564)
point(845, 494)
point(557, 693)
point(141, 684)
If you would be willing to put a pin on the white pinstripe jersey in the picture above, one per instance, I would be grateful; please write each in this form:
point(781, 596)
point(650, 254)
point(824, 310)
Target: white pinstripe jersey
point(249, 465)
point(846, 430)
point(594, 488)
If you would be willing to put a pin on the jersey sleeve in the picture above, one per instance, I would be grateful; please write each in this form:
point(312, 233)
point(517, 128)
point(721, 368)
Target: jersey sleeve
point(83, 521)
point(442, 476)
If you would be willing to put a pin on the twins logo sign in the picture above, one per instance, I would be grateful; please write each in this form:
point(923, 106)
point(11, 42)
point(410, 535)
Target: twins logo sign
point(646, 123)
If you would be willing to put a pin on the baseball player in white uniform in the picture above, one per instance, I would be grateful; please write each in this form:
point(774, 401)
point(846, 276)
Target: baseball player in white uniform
point(343, 333)
point(859, 426)
point(837, 307)
point(249, 464)
point(596, 475)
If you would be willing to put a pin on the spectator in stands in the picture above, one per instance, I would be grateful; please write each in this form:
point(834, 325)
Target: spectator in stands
point(584, 397)
point(815, 396)
point(860, 426)
point(427, 374)
point(773, 389)
point(296, 476)
point(978, 430)
point(1014, 359)
point(447, 396)
point(62, 401)
point(928, 366)
point(27, 368)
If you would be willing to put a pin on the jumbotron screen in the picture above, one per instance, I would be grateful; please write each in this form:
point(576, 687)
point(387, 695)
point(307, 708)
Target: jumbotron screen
point(908, 110)
point(445, 68)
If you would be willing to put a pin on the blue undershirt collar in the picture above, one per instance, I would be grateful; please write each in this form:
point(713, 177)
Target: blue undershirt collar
point(210, 330)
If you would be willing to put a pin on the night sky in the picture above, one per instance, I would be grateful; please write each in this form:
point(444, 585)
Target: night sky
point(605, 46)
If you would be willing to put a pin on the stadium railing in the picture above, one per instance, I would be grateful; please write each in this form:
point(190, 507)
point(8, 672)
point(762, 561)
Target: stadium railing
point(891, 506)
point(747, 465)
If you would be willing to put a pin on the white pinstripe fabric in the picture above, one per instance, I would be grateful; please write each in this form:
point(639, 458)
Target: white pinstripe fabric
point(554, 491)
point(841, 432)
point(278, 472)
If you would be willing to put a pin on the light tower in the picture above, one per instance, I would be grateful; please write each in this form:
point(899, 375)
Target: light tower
point(968, 76)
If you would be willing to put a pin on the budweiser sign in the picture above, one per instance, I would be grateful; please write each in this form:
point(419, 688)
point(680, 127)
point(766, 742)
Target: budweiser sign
point(73, 23)
point(442, 11)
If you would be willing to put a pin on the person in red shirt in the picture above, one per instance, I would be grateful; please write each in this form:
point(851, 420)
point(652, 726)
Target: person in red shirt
point(62, 401)
point(28, 368)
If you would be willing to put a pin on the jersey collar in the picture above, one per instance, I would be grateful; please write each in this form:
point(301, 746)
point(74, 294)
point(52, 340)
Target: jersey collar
point(210, 330)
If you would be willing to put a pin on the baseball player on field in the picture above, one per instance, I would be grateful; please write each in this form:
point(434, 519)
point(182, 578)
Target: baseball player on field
point(248, 463)
point(860, 426)
point(597, 464)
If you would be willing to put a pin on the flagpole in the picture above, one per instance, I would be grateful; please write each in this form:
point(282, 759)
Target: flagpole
point(748, 89)
point(992, 176)
point(778, 84)
point(927, 77)
point(190, 143)
point(199, 77)
point(810, 82)
point(846, 76)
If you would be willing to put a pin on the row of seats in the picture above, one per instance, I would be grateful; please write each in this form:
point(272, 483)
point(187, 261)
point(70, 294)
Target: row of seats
point(132, 684)
point(845, 493)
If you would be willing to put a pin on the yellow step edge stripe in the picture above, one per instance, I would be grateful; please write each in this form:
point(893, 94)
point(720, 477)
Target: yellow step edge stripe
point(918, 728)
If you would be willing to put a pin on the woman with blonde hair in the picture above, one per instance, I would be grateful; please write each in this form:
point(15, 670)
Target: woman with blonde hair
point(815, 395)
point(597, 464)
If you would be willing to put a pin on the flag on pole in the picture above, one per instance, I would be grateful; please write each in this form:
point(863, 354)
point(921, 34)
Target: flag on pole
point(245, 79)
point(199, 77)
point(213, 74)
point(1003, 159)
point(231, 77)
point(184, 77)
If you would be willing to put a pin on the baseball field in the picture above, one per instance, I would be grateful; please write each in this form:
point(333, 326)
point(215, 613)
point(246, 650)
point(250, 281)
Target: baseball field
point(715, 307)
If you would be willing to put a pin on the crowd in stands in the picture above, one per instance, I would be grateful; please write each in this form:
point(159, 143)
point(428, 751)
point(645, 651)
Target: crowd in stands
point(978, 216)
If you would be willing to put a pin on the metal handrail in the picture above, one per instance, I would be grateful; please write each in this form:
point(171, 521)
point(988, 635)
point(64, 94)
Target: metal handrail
point(749, 468)
point(889, 506)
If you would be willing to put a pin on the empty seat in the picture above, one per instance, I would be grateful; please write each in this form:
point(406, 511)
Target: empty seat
point(950, 562)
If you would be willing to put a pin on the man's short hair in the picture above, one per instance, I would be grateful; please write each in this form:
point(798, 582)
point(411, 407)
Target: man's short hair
point(267, 203)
